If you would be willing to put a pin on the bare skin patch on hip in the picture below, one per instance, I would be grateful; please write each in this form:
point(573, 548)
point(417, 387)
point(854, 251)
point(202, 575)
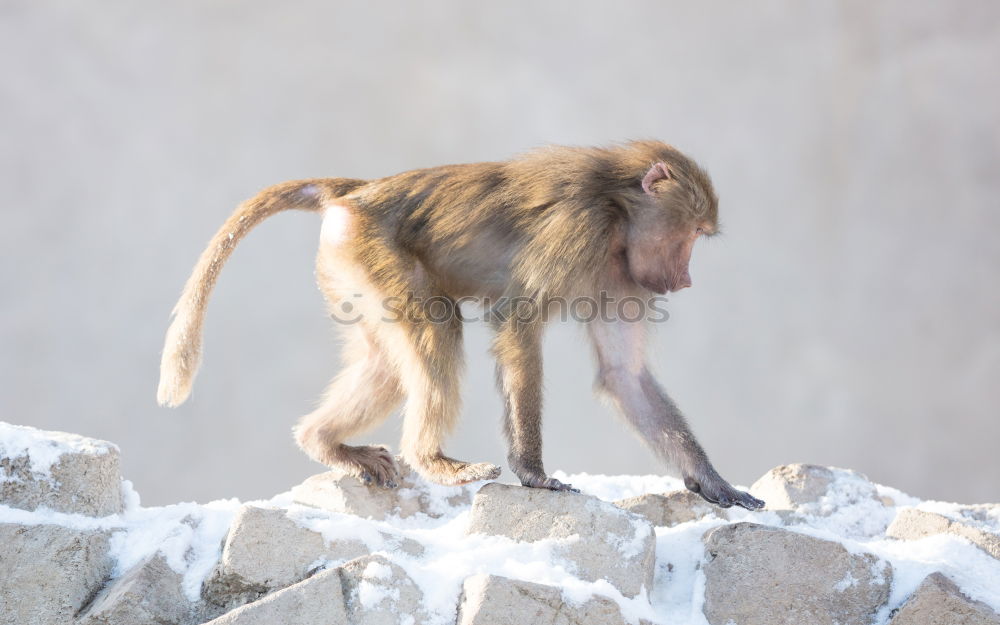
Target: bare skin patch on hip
point(338, 221)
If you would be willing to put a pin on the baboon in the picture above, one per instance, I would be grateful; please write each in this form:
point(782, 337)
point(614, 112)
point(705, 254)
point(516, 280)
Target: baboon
point(558, 222)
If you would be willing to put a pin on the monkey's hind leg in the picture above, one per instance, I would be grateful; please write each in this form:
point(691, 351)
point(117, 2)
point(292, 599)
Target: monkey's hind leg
point(358, 399)
point(429, 353)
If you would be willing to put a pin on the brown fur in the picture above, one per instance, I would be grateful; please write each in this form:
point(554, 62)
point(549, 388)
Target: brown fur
point(556, 223)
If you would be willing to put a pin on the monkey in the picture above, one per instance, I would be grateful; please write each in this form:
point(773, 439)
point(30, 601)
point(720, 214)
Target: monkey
point(556, 222)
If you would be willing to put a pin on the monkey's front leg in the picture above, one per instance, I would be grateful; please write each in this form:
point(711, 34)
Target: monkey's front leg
point(624, 376)
point(517, 348)
point(661, 423)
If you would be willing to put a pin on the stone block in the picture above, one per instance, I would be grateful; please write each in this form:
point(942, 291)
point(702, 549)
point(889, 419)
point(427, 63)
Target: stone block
point(63, 472)
point(759, 575)
point(611, 543)
point(49, 572)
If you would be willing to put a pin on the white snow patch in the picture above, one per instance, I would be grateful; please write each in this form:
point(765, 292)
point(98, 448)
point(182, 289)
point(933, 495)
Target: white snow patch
point(849, 508)
point(371, 595)
point(631, 547)
point(679, 583)
point(848, 581)
point(898, 497)
point(984, 517)
point(615, 487)
point(377, 570)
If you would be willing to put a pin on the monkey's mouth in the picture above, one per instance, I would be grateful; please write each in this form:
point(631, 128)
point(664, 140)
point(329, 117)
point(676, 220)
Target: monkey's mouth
point(668, 285)
point(676, 283)
point(661, 286)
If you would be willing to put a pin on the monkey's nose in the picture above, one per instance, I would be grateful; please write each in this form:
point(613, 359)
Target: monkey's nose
point(684, 282)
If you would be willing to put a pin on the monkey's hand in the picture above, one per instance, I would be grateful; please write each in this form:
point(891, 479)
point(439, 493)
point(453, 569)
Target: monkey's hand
point(716, 490)
point(539, 480)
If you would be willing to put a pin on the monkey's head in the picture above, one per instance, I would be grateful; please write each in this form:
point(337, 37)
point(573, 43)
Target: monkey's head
point(676, 207)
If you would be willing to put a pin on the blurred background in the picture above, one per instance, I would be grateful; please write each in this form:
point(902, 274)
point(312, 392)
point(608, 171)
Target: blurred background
point(849, 315)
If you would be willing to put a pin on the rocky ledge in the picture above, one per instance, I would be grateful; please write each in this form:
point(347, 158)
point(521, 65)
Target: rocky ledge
point(831, 547)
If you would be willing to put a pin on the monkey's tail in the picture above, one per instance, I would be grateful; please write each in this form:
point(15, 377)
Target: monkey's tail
point(182, 349)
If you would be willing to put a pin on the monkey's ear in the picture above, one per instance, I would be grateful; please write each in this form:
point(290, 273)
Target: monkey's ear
point(657, 172)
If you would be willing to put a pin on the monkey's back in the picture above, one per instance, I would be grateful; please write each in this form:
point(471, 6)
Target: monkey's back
point(541, 222)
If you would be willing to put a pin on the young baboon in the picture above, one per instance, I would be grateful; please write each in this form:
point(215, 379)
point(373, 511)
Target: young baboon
point(559, 222)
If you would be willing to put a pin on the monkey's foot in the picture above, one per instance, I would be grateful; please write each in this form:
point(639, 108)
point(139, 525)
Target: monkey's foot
point(478, 472)
point(372, 464)
point(716, 490)
point(539, 480)
point(450, 472)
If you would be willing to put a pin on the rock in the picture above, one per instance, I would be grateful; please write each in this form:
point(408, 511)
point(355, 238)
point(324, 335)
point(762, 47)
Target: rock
point(937, 601)
point(344, 493)
point(911, 524)
point(613, 544)
point(494, 600)
point(318, 600)
point(766, 575)
point(48, 572)
point(668, 509)
point(149, 593)
point(379, 592)
point(64, 472)
point(266, 550)
point(337, 492)
point(794, 486)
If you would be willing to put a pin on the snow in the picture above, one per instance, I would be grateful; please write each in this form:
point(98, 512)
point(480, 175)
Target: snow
point(629, 548)
point(679, 583)
point(42, 448)
point(371, 595)
point(848, 581)
point(377, 570)
point(190, 536)
point(615, 487)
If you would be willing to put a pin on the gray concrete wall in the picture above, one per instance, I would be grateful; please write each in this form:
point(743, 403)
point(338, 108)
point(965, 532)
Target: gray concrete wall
point(849, 316)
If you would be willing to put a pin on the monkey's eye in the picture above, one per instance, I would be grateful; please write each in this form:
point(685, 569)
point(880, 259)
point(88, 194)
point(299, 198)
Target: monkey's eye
point(700, 231)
